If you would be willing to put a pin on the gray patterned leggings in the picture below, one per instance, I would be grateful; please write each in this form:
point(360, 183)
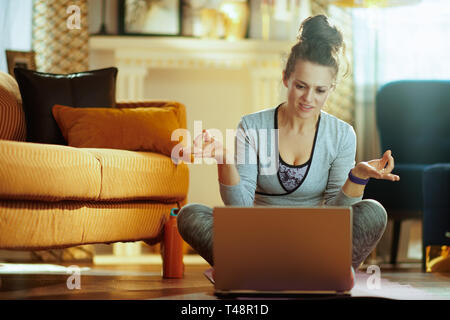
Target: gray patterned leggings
point(195, 224)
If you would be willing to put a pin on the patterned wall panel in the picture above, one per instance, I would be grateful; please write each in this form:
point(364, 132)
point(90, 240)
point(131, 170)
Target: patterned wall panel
point(342, 102)
point(59, 47)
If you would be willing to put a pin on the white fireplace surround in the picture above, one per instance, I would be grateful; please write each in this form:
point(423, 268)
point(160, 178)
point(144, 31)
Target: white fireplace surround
point(135, 56)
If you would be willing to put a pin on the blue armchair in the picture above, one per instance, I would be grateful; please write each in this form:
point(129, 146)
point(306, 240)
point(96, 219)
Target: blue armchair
point(413, 119)
point(436, 211)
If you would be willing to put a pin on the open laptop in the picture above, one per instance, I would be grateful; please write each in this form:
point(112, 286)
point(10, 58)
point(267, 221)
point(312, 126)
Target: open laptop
point(282, 251)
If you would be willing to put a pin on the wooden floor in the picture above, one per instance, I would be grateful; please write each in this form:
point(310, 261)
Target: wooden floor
point(105, 282)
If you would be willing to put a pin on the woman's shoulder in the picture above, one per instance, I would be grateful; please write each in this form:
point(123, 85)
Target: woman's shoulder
point(334, 124)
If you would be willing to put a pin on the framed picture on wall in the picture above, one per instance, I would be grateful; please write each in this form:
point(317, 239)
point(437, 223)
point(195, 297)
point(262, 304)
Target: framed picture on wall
point(21, 59)
point(150, 17)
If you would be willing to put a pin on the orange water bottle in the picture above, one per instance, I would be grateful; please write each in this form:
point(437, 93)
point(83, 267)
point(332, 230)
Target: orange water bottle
point(173, 266)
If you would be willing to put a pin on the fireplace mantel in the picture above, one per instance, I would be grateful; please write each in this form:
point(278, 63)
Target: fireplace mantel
point(135, 56)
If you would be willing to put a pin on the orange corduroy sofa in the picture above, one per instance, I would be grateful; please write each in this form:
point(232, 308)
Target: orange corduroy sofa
point(57, 196)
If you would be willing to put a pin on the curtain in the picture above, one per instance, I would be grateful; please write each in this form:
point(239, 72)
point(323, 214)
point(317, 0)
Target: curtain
point(408, 42)
point(365, 52)
point(15, 27)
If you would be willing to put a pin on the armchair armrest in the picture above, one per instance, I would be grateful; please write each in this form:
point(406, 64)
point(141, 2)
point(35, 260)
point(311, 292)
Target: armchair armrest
point(436, 218)
point(436, 215)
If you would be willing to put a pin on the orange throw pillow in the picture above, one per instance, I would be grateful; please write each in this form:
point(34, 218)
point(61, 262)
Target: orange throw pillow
point(136, 129)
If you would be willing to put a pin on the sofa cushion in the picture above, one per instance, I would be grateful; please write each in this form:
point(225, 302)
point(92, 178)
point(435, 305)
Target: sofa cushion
point(41, 91)
point(12, 118)
point(144, 129)
point(140, 175)
point(37, 225)
point(35, 171)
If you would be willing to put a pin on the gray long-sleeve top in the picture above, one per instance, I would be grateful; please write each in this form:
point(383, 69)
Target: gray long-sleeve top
point(257, 161)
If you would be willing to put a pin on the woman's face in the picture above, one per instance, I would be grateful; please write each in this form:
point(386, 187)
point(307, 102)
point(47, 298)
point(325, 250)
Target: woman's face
point(309, 86)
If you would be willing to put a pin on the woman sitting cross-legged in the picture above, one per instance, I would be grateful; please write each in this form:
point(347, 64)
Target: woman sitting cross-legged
point(314, 162)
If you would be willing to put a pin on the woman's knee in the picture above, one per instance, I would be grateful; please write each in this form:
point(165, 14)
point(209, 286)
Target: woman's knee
point(372, 212)
point(191, 209)
point(195, 224)
point(369, 223)
point(190, 215)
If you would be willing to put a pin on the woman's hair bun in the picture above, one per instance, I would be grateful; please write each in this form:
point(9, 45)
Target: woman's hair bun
point(321, 43)
point(317, 29)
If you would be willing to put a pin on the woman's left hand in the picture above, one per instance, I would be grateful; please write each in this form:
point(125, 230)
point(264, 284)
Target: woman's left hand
point(377, 168)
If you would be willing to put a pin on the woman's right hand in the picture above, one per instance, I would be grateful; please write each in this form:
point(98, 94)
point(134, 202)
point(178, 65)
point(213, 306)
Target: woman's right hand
point(206, 147)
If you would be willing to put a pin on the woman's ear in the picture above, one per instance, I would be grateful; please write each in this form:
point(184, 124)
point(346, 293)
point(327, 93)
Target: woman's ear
point(285, 81)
